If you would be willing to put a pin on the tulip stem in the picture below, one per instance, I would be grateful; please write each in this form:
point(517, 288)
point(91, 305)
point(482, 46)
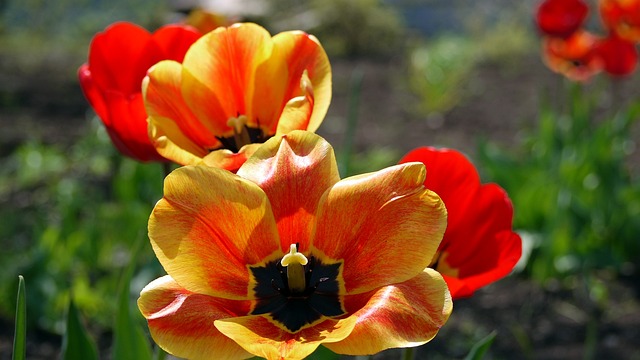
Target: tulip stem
point(352, 120)
point(408, 353)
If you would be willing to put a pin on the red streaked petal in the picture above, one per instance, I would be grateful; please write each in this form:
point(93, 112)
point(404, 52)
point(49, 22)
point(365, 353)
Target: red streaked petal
point(385, 226)
point(294, 171)
point(208, 227)
point(303, 52)
point(261, 337)
point(401, 315)
point(163, 99)
point(182, 322)
point(219, 71)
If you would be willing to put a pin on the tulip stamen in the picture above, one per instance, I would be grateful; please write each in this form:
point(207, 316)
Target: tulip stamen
point(294, 262)
point(240, 132)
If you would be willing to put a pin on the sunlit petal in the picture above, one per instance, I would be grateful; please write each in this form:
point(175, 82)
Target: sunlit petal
point(294, 171)
point(261, 337)
point(385, 225)
point(400, 315)
point(205, 238)
point(182, 322)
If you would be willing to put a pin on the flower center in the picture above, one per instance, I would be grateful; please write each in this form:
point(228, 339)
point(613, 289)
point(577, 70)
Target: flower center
point(243, 134)
point(297, 290)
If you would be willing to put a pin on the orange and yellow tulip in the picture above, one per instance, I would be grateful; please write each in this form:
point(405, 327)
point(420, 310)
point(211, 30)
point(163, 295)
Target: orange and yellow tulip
point(575, 57)
point(479, 246)
point(236, 88)
point(283, 256)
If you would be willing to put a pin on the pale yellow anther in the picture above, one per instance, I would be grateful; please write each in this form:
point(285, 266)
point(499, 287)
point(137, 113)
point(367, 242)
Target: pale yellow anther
point(240, 133)
point(294, 257)
point(294, 262)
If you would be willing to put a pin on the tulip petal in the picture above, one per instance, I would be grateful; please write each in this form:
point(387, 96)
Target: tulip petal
point(261, 337)
point(402, 315)
point(385, 226)
point(303, 52)
point(164, 103)
point(294, 171)
point(491, 262)
point(219, 70)
point(119, 57)
point(182, 322)
point(205, 239)
point(127, 127)
point(93, 94)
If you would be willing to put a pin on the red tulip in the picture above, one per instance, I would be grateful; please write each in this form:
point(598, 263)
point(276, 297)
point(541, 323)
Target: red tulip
point(619, 56)
point(111, 80)
point(622, 17)
point(479, 246)
point(561, 18)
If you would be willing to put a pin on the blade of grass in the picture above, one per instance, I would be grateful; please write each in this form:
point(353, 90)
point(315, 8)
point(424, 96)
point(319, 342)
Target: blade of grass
point(76, 343)
point(481, 347)
point(20, 335)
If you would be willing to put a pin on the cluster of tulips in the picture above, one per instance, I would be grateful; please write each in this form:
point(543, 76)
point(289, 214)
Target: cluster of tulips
point(579, 54)
point(267, 251)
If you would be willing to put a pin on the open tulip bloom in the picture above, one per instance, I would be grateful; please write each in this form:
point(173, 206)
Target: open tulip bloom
point(284, 256)
point(111, 80)
point(479, 246)
point(236, 88)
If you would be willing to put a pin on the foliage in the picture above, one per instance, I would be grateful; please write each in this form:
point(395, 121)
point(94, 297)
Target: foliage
point(572, 188)
point(71, 217)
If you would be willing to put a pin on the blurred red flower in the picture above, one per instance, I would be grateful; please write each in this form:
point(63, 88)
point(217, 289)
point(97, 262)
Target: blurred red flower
point(574, 57)
point(479, 246)
point(622, 17)
point(561, 18)
point(619, 56)
point(111, 80)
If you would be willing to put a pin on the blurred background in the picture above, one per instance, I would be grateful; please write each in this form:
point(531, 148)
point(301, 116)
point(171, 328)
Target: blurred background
point(406, 73)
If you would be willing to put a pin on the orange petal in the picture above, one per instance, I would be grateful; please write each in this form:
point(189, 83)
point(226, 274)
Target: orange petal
point(385, 226)
point(228, 160)
point(261, 337)
point(163, 100)
point(294, 171)
point(178, 148)
point(303, 52)
point(182, 323)
point(401, 315)
point(219, 70)
point(208, 227)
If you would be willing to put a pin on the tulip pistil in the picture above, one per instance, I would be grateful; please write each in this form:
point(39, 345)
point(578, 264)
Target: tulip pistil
point(294, 262)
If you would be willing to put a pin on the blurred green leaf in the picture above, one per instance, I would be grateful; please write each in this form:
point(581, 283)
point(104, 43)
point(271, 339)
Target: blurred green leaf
point(130, 342)
point(76, 342)
point(322, 353)
point(481, 347)
point(20, 335)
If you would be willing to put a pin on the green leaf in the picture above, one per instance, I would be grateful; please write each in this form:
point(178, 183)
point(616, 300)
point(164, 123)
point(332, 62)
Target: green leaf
point(130, 342)
point(76, 343)
point(480, 348)
point(20, 336)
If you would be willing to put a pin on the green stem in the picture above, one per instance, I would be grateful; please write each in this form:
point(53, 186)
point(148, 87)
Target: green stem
point(408, 353)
